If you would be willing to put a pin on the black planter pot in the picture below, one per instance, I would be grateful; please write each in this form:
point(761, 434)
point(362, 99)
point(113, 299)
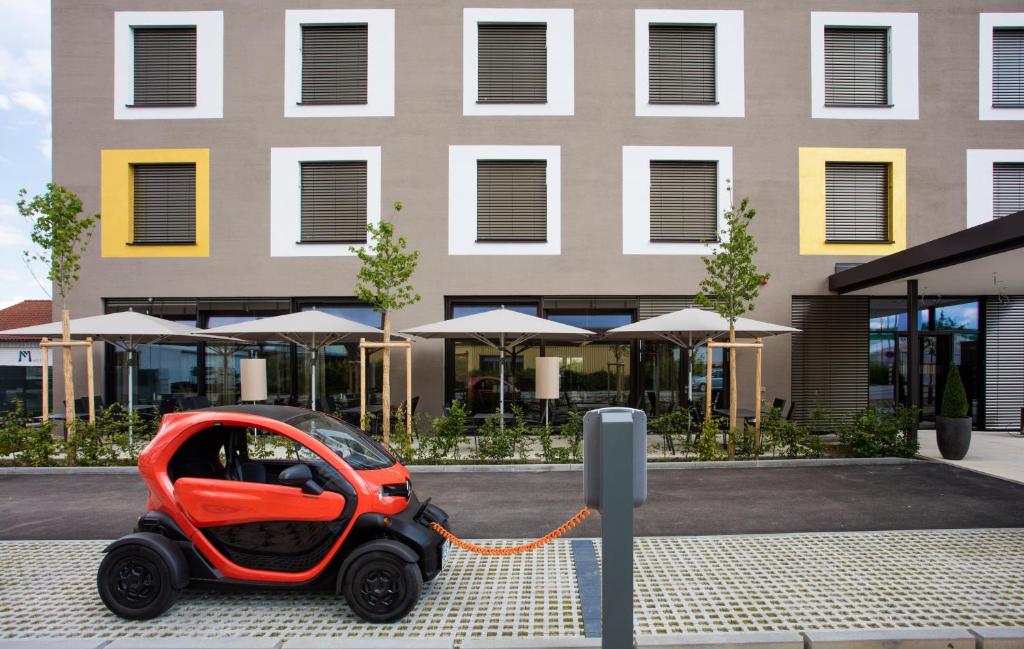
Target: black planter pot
point(953, 435)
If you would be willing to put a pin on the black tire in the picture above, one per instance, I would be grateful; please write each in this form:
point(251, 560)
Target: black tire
point(382, 587)
point(136, 583)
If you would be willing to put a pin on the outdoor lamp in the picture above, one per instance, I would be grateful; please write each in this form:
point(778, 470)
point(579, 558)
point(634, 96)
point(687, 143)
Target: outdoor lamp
point(254, 379)
point(547, 380)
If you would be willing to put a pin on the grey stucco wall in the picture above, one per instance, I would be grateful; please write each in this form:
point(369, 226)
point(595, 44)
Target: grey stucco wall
point(429, 118)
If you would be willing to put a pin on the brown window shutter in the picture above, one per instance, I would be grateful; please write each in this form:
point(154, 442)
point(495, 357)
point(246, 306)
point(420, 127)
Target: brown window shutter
point(1008, 67)
point(684, 200)
point(512, 63)
point(511, 198)
point(164, 207)
point(857, 202)
point(857, 66)
point(333, 198)
point(682, 64)
point(165, 66)
point(334, 64)
point(1007, 188)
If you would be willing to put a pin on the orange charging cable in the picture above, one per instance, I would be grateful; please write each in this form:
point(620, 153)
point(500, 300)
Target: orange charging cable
point(580, 516)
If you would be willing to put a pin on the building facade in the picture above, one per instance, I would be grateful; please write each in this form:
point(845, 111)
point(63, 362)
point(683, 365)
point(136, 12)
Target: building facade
point(573, 160)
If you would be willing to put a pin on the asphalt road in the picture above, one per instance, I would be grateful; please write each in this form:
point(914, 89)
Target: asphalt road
point(526, 505)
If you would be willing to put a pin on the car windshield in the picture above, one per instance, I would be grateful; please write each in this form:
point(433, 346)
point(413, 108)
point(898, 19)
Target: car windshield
point(347, 441)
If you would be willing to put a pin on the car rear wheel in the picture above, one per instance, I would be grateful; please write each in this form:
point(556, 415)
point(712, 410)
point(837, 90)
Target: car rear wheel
point(135, 582)
point(382, 587)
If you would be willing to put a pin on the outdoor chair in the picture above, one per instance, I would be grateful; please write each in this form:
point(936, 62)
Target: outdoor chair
point(652, 399)
point(789, 413)
point(779, 404)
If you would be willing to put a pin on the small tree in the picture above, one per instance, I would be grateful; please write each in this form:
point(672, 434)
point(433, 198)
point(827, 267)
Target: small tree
point(954, 396)
point(62, 237)
point(730, 286)
point(383, 282)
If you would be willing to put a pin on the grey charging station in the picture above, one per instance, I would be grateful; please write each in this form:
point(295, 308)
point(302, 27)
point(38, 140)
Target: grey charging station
point(614, 483)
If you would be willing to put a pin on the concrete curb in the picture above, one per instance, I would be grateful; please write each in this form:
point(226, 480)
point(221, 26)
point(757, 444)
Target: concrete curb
point(369, 643)
point(53, 643)
point(773, 640)
point(999, 637)
point(195, 643)
point(518, 468)
point(891, 639)
point(531, 643)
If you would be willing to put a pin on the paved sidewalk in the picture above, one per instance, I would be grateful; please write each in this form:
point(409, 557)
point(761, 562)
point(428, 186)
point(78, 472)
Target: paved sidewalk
point(995, 453)
point(898, 579)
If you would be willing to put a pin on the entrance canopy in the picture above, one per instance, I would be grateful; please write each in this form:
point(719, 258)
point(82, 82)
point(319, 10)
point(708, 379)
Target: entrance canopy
point(986, 259)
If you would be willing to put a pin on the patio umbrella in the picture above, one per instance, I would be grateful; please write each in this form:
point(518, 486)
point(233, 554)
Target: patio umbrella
point(311, 330)
point(126, 330)
point(685, 326)
point(500, 325)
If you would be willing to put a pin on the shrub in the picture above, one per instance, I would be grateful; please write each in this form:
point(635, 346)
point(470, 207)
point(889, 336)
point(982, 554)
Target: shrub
point(708, 447)
point(402, 439)
point(954, 397)
point(673, 427)
point(31, 444)
point(788, 439)
point(446, 433)
point(497, 443)
point(117, 437)
point(874, 432)
point(572, 429)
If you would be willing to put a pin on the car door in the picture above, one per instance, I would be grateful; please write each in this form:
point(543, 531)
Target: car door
point(265, 526)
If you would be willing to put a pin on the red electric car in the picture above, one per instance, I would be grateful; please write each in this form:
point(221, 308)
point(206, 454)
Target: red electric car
point(273, 497)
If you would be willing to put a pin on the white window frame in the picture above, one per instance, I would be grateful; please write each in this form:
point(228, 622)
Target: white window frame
point(980, 179)
point(209, 64)
point(729, 80)
point(560, 77)
point(903, 64)
point(987, 22)
point(286, 196)
point(636, 197)
point(380, 62)
point(462, 200)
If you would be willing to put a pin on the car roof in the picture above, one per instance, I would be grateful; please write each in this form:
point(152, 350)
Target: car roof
point(279, 413)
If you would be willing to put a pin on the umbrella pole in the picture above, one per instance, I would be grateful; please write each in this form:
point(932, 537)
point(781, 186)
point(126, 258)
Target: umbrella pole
point(313, 377)
point(690, 355)
point(131, 393)
point(501, 381)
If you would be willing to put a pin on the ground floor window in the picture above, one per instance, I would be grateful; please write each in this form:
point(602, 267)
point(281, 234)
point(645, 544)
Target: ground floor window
point(23, 384)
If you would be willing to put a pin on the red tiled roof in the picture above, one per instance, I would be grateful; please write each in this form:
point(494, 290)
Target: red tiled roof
point(25, 314)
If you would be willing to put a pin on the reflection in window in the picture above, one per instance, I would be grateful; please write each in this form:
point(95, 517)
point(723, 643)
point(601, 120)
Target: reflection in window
point(460, 310)
point(337, 375)
point(477, 377)
point(361, 314)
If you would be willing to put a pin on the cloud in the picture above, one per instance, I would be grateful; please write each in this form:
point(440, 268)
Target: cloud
point(31, 101)
point(46, 148)
point(5, 103)
point(24, 69)
point(11, 301)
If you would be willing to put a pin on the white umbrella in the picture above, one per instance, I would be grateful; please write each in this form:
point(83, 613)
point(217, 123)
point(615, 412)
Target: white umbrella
point(498, 324)
point(311, 330)
point(685, 326)
point(126, 330)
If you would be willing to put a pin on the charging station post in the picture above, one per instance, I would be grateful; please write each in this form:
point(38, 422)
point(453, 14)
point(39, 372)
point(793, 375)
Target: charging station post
point(614, 483)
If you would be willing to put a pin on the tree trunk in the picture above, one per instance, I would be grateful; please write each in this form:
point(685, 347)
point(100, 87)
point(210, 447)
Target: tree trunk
point(69, 382)
point(385, 395)
point(732, 393)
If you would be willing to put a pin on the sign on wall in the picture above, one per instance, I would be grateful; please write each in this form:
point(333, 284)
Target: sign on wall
point(23, 356)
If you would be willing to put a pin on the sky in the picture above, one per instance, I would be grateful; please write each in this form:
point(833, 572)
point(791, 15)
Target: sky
point(25, 137)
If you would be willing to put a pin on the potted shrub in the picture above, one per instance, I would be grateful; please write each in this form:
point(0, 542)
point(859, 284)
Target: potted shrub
point(953, 426)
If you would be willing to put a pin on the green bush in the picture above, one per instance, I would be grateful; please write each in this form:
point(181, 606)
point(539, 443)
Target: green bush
point(117, 437)
point(784, 438)
point(708, 447)
point(30, 443)
point(874, 432)
point(572, 430)
point(954, 397)
point(446, 433)
point(402, 439)
point(497, 443)
point(674, 428)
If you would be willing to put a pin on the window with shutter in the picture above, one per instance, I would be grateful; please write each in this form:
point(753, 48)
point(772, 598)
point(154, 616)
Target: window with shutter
point(512, 63)
point(857, 202)
point(334, 64)
point(682, 64)
point(164, 203)
point(165, 66)
point(333, 202)
point(511, 200)
point(1008, 67)
point(857, 66)
point(1007, 188)
point(684, 200)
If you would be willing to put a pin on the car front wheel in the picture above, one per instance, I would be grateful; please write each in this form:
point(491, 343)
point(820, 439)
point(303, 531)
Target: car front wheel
point(382, 587)
point(135, 582)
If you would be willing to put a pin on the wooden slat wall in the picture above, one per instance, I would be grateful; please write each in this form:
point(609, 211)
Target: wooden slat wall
point(511, 199)
point(830, 355)
point(1008, 67)
point(165, 66)
point(1007, 188)
point(1004, 363)
point(512, 63)
point(857, 201)
point(856, 66)
point(334, 64)
point(649, 307)
point(333, 201)
point(682, 64)
point(164, 208)
point(684, 200)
